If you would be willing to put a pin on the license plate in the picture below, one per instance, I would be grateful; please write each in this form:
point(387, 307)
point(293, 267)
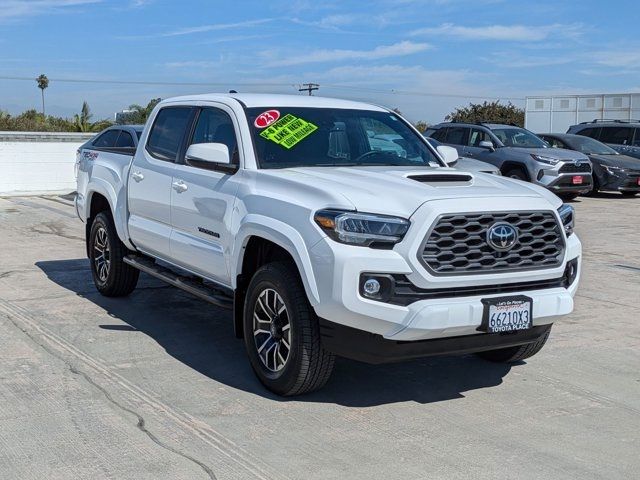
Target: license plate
point(577, 180)
point(506, 314)
point(638, 180)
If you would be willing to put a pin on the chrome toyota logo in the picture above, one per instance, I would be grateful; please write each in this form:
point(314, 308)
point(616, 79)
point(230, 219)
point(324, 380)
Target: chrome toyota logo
point(502, 236)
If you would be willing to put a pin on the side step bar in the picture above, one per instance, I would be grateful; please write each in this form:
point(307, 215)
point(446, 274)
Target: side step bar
point(188, 284)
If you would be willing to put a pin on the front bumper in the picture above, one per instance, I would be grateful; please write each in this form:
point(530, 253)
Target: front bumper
point(339, 269)
point(559, 178)
point(620, 182)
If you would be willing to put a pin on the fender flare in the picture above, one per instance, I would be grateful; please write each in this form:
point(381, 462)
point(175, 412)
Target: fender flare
point(117, 203)
point(283, 235)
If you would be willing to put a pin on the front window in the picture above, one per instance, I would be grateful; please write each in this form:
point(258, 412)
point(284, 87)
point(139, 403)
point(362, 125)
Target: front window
point(321, 137)
point(518, 137)
point(590, 146)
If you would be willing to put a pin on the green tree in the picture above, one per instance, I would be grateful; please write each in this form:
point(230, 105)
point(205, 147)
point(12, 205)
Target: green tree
point(43, 83)
point(421, 126)
point(82, 122)
point(489, 112)
point(138, 114)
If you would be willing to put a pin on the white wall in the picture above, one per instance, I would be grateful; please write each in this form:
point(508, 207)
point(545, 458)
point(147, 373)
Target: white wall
point(38, 162)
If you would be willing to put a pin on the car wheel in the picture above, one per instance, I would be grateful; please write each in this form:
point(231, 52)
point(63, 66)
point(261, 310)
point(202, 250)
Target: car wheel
point(517, 173)
point(515, 354)
point(112, 277)
point(568, 196)
point(281, 333)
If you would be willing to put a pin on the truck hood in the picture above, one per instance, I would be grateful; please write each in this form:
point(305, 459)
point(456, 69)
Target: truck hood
point(393, 191)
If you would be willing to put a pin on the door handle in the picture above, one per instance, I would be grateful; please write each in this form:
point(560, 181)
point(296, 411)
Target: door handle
point(179, 186)
point(137, 176)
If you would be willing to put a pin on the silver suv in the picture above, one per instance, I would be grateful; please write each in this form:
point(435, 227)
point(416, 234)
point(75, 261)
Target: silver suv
point(621, 135)
point(519, 153)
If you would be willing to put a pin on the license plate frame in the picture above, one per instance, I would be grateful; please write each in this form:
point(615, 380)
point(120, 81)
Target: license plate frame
point(515, 303)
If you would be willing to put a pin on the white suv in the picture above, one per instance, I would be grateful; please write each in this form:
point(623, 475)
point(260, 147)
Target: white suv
point(323, 243)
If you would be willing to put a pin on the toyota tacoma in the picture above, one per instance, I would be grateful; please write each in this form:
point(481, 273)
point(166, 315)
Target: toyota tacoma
point(322, 244)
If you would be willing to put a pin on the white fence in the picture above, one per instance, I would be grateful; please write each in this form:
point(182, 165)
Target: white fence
point(558, 113)
point(38, 162)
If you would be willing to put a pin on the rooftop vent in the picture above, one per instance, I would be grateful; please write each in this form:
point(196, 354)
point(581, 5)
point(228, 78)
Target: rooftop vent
point(443, 179)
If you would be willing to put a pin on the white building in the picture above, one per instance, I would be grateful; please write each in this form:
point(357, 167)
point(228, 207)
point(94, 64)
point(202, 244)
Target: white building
point(558, 113)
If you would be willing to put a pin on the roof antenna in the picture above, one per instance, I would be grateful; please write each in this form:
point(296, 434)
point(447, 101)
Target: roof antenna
point(232, 91)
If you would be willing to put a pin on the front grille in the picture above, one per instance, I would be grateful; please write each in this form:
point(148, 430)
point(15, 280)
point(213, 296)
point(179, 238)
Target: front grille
point(457, 244)
point(573, 168)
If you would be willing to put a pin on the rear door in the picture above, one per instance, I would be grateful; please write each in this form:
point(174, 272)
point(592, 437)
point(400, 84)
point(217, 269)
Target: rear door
point(150, 177)
point(202, 200)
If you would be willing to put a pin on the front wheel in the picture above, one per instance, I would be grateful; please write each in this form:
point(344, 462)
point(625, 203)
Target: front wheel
point(112, 277)
point(515, 354)
point(517, 173)
point(281, 333)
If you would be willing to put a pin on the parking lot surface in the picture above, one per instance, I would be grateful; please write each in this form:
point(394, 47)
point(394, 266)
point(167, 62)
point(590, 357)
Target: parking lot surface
point(156, 386)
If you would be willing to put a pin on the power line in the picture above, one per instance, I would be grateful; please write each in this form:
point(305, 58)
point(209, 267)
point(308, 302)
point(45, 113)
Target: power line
point(309, 87)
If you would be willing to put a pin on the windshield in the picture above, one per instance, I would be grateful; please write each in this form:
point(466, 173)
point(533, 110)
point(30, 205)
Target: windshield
point(590, 146)
point(317, 137)
point(518, 137)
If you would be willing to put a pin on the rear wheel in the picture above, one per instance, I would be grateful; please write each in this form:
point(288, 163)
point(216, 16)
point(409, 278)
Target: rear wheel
point(515, 354)
point(112, 277)
point(281, 333)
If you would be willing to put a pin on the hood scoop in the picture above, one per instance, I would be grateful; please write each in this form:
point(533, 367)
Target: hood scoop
point(443, 179)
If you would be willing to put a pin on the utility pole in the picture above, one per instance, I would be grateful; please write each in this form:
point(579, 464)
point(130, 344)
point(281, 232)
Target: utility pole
point(309, 87)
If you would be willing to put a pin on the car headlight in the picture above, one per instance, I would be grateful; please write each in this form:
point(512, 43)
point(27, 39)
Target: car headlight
point(363, 229)
point(568, 216)
point(543, 159)
point(614, 170)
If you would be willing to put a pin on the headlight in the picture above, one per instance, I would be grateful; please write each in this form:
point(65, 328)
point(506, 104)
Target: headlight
point(614, 170)
point(363, 229)
point(567, 215)
point(543, 159)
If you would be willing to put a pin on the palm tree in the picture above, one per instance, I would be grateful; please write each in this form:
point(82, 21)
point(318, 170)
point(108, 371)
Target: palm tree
point(43, 82)
point(82, 122)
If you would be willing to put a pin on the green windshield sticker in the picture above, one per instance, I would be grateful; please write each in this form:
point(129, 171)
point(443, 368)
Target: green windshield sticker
point(288, 131)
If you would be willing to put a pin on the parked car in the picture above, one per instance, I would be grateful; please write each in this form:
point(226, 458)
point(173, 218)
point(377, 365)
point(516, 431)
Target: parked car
point(467, 164)
point(280, 208)
point(621, 135)
point(519, 153)
point(611, 170)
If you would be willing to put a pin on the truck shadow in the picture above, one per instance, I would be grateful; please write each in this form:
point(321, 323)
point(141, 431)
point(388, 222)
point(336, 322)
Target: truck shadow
point(201, 336)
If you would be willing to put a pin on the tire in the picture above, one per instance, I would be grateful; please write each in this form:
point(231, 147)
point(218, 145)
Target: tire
point(112, 277)
point(567, 197)
point(515, 354)
point(307, 365)
point(517, 173)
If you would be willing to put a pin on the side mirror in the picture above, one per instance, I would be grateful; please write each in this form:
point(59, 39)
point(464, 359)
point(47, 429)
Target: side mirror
point(448, 154)
point(210, 156)
point(487, 144)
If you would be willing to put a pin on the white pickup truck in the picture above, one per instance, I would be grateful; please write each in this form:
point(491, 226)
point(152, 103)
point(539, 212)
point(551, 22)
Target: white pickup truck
point(324, 243)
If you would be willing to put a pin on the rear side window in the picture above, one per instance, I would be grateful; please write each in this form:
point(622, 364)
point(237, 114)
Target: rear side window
point(617, 135)
point(125, 140)
point(440, 135)
point(636, 139)
point(167, 133)
point(215, 126)
point(457, 135)
point(107, 139)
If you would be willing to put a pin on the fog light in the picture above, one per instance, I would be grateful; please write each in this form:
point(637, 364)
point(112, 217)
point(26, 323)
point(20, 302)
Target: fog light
point(371, 287)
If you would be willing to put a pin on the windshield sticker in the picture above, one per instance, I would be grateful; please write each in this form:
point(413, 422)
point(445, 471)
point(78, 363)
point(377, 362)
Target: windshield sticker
point(266, 118)
point(288, 131)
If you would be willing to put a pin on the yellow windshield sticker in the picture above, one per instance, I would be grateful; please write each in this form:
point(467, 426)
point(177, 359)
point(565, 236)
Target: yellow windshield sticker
point(288, 131)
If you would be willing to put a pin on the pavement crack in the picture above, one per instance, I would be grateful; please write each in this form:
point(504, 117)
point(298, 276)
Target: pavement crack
point(141, 424)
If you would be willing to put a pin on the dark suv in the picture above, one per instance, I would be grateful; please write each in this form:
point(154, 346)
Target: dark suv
point(621, 135)
point(519, 153)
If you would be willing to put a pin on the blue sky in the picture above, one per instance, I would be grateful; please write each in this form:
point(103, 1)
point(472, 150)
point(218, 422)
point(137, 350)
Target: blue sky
point(423, 56)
